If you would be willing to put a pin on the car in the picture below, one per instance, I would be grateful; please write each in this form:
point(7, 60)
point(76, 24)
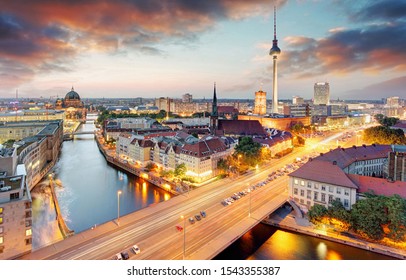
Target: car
point(125, 255)
point(118, 256)
point(136, 249)
point(191, 220)
point(224, 203)
point(179, 228)
point(203, 214)
point(198, 217)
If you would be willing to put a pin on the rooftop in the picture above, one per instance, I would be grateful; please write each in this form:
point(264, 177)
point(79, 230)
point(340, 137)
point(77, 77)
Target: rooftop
point(319, 171)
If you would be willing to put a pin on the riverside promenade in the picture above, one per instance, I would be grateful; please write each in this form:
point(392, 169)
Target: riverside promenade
point(302, 225)
point(151, 177)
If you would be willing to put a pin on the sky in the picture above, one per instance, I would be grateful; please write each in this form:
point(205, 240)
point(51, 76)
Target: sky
point(155, 48)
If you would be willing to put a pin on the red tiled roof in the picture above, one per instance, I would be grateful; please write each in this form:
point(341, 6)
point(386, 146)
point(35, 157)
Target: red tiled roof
point(345, 156)
point(227, 109)
point(241, 127)
point(320, 171)
point(204, 148)
point(379, 186)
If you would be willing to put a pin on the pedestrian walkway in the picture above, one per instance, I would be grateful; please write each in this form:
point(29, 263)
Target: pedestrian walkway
point(290, 222)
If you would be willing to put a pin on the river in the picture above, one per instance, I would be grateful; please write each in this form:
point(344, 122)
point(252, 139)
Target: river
point(87, 194)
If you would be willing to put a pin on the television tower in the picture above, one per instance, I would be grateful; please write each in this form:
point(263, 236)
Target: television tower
point(274, 52)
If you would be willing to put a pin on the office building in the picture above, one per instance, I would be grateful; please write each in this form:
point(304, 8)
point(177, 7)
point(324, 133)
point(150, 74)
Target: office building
point(321, 93)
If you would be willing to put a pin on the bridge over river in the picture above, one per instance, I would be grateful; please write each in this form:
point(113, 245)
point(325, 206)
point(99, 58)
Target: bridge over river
point(154, 230)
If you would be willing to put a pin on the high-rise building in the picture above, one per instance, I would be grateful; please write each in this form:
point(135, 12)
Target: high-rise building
point(321, 93)
point(392, 102)
point(187, 98)
point(274, 52)
point(260, 103)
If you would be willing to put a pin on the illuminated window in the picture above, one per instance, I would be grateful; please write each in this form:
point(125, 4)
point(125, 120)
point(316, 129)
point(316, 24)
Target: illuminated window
point(1, 229)
point(296, 181)
point(1, 220)
point(28, 232)
point(1, 210)
point(1, 239)
point(302, 183)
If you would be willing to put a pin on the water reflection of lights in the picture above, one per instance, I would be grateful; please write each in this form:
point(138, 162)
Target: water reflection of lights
point(321, 251)
point(333, 255)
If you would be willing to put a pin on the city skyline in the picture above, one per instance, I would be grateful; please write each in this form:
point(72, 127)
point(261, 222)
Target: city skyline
point(131, 49)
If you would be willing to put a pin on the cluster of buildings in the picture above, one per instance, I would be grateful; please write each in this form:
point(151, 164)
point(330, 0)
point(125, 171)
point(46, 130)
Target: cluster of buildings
point(198, 143)
point(347, 174)
point(22, 165)
point(31, 141)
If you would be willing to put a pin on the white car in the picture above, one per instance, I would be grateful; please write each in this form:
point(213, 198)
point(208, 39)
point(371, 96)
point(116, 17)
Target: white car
point(118, 257)
point(136, 249)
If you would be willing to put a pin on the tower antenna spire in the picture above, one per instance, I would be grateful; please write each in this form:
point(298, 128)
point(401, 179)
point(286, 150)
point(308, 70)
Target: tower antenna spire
point(274, 22)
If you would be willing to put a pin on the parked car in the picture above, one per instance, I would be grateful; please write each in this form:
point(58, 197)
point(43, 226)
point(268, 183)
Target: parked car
point(118, 257)
point(136, 249)
point(203, 214)
point(191, 220)
point(125, 255)
point(197, 217)
point(179, 228)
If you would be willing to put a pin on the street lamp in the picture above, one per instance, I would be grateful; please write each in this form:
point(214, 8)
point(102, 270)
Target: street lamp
point(238, 166)
point(184, 235)
point(118, 207)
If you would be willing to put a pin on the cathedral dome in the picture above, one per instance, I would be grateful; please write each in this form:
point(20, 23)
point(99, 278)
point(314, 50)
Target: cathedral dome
point(72, 95)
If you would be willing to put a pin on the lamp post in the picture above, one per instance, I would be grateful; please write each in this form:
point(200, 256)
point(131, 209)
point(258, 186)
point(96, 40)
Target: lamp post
point(118, 207)
point(184, 235)
point(238, 167)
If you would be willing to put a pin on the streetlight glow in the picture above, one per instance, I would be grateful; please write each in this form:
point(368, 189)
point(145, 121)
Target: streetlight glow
point(118, 207)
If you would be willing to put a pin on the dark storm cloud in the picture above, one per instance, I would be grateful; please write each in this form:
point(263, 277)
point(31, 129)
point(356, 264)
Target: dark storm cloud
point(390, 10)
point(48, 34)
point(371, 47)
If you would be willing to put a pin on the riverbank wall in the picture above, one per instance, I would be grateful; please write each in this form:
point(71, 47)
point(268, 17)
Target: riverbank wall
point(66, 232)
point(126, 167)
point(301, 225)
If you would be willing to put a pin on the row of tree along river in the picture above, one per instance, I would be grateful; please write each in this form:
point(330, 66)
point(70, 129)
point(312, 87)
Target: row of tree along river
point(87, 196)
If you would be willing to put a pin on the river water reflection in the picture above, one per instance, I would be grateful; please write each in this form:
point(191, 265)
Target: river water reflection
point(266, 242)
point(88, 192)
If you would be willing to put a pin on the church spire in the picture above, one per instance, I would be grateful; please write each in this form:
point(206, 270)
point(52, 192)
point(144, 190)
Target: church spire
point(214, 107)
point(214, 113)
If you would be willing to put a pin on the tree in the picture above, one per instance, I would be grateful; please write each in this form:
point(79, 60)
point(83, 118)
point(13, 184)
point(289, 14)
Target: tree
point(223, 165)
point(384, 135)
point(297, 128)
point(316, 213)
point(368, 216)
point(341, 216)
point(396, 211)
point(386, 121)
point(180, 170)
point(249, 150)
point(150, 166)
point(166, 173)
